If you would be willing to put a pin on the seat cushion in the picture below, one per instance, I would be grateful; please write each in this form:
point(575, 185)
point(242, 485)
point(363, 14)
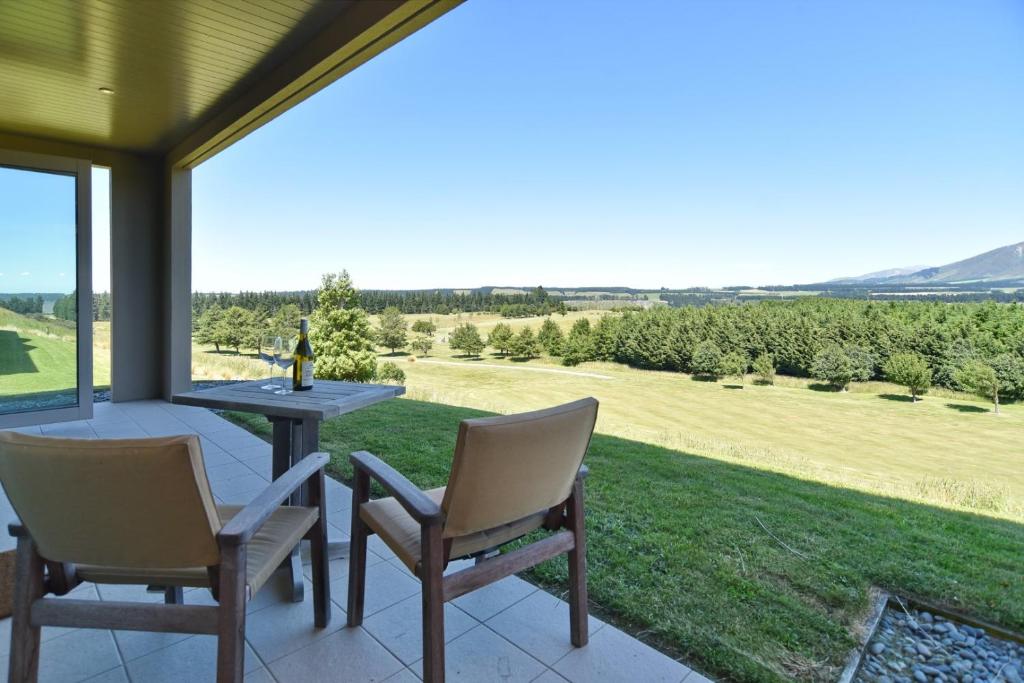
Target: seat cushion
point(265, 552)
point(392, 523)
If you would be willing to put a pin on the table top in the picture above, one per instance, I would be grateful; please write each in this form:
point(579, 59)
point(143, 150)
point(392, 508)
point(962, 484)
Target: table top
point(325, 400)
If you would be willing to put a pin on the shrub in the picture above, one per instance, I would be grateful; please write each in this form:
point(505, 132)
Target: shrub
point(389, 373)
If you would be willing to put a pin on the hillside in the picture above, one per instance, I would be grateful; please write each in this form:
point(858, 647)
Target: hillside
point(1002, 264)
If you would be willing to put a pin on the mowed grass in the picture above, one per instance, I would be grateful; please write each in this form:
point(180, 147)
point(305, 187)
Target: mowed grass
point(38, 356)
point(677, 550)
point(947, 449)
point(943, 450)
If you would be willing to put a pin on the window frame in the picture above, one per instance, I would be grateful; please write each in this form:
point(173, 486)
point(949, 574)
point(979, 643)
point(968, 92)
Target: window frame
point(81, 170)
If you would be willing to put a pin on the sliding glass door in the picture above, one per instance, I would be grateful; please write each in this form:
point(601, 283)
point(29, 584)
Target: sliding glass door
point(45, 289)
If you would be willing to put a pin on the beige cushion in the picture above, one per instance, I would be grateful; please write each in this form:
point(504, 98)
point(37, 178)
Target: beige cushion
point(265, 553)
point(508, 467)
point(389, 519)
point(142, 503)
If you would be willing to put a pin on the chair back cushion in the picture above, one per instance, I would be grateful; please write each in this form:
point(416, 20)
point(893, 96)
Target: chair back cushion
point(509, 467)
point(142, 503)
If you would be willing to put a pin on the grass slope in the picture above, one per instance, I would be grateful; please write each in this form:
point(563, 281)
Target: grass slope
point(677, 552)
point(38, 355)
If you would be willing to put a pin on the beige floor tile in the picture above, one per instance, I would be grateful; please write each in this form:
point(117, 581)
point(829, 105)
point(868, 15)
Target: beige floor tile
point(539, 624)
point(350, 654)
point(482, 656)
point(613, 656)
point(484, 603)
point(400, 628)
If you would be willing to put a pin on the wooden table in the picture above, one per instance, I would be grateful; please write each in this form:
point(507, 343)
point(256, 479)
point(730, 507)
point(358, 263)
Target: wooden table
point(296, 419)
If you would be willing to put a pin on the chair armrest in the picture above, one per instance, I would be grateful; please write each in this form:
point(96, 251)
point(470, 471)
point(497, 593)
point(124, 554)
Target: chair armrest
point(584, 472)
point(241, 528)
point(17, 529)
point(419, 506)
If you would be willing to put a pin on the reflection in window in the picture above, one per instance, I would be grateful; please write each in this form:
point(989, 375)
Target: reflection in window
point(38, 349)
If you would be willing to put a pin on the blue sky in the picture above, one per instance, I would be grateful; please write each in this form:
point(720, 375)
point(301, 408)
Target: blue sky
point(37, 231)
point(649, 143)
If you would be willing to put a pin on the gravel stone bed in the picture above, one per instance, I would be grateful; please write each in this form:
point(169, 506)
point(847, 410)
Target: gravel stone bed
point(920, 647)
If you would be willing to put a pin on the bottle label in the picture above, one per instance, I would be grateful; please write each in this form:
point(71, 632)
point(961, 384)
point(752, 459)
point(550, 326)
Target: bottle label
point(307, 373)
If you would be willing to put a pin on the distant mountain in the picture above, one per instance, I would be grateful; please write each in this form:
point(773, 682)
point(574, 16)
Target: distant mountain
point(879, 275)
point(1004, 263)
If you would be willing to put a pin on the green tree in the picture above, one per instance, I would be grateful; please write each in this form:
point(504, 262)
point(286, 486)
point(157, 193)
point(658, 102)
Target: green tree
point(285, 321)
point(339, 332)
point(208, 326)
point(733, 364)
point(422, 326)
point(1010, 372)
point(551, 338)
point(832, 365)
point(764, 368)
point(862, 363)
point(422, 343)
point(706, 359)
point(980, 378)
point(391, 330)
point(525, 344)
point(389, 373)
point(579, 345)
point(909, 370)
point(500, 338)
point(237, 328)
point(466, 338)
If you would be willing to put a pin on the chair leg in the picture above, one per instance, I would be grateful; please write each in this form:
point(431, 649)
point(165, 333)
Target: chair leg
point(28, 587)
point(231, 633)
point(357, 550)
point(318, 552)
point(431, 575)
point(579, 631)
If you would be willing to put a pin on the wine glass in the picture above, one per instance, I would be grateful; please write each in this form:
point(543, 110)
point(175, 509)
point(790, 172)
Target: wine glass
point(267, 356)
point(285, 359)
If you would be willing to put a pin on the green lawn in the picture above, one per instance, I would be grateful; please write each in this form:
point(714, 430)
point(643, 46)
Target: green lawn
point(38, 356)
point(677, 552)
point(946, 449)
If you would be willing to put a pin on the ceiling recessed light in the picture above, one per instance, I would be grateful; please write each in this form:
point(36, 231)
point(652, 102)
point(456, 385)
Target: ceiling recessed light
point(107, 91)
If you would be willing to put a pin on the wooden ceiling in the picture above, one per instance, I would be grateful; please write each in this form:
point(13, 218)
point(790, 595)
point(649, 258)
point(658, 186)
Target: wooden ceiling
point(171, 64)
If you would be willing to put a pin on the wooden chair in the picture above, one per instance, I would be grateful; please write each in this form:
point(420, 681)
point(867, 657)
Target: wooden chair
point(510, 475)
point(140, 511)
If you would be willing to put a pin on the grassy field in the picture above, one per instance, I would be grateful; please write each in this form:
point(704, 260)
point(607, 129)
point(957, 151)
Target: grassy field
point(946, 450)
point(686, 551)
point(39, 355)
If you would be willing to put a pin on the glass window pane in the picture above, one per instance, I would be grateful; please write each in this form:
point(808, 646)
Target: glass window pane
point(38, 333)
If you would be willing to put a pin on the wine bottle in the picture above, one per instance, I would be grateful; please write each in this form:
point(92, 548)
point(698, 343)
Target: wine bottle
point(302, 371)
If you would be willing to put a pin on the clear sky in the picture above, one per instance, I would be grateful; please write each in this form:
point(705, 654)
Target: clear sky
point(645, 143)
point(37, 232)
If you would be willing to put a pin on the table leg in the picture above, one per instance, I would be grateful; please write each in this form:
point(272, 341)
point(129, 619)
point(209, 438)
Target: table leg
point(311, 444)
point(283, 454)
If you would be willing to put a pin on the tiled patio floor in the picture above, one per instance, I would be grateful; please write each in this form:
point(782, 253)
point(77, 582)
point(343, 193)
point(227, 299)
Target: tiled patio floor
point(507, 632)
